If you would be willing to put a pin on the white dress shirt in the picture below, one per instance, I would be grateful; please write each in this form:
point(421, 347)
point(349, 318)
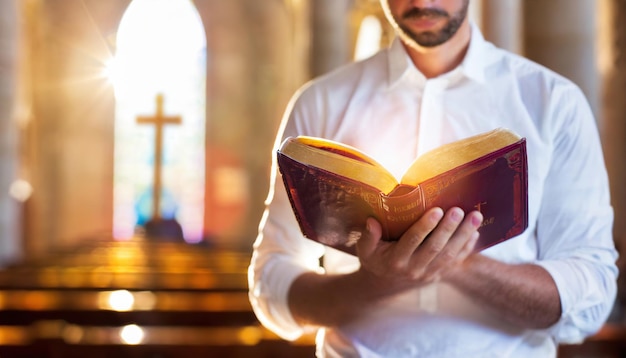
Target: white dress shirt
point(387, 108)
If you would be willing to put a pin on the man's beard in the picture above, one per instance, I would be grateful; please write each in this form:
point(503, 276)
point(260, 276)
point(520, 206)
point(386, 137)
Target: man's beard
point(429, 38)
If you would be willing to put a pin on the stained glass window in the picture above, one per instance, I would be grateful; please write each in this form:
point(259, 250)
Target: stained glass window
point(160, 50)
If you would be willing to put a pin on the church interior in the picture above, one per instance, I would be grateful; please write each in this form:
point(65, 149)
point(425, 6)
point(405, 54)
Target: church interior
point(135, 146)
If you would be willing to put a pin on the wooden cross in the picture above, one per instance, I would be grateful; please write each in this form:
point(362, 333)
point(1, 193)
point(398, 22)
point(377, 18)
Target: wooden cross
point(159, 120)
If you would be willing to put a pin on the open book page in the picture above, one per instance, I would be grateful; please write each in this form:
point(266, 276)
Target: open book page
point(352, 163)
point(452, 155)
point(340, 159)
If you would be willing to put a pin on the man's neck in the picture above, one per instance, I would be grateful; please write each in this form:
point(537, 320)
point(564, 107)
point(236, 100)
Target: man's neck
point(436, 61)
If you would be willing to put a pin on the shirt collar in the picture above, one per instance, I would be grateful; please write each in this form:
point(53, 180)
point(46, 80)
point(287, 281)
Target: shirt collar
point(473, 65)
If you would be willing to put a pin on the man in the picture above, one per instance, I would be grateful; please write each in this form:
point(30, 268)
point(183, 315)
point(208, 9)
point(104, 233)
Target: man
point(426, 295)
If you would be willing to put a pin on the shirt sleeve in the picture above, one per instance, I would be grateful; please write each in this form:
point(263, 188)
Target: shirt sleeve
point(280, 254)
point(575, 222)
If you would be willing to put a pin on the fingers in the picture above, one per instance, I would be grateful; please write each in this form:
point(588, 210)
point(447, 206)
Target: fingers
point(462, 235)
point(436, 241)
point(441, 240)
point(417, 233)
point(460, 238)
point(476, 219)
point(370, 238)
point(431, 246)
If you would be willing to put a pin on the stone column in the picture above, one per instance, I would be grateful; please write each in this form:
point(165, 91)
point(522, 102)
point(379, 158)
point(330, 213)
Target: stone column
point(613, 71)
point(561, 34)
point(10, 217)
point(331, 46)
point(70, 135)
point(502, 23)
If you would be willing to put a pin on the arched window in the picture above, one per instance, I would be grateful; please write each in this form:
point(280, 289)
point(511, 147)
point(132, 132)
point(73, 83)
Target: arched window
point(160, 50)
point(370, 29)
point(369, 37)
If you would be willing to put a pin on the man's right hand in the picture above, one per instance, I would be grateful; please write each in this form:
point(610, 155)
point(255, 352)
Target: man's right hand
point(435, 243)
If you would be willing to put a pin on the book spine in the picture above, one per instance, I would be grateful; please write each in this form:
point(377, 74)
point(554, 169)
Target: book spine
point(400, 209)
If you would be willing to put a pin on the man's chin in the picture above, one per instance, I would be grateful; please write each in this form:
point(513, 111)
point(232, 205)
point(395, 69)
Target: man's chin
point(425, 39)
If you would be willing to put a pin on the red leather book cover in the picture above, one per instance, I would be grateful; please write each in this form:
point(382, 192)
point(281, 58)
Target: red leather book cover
point(332, 209)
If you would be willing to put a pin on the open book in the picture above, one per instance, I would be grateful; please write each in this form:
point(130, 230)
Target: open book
point(333, 188)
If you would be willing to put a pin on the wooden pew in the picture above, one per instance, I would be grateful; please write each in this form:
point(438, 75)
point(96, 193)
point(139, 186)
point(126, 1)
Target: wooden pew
point(135, 299)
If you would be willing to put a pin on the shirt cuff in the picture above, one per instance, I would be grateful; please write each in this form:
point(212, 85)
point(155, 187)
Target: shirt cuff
point(585, 304)
point(269, 298)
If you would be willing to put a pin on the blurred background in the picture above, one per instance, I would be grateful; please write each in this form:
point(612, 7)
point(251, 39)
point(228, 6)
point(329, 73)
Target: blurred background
point(135, 146)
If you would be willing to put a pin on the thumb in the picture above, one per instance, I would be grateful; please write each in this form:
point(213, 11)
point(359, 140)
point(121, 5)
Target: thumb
point(370, 238)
